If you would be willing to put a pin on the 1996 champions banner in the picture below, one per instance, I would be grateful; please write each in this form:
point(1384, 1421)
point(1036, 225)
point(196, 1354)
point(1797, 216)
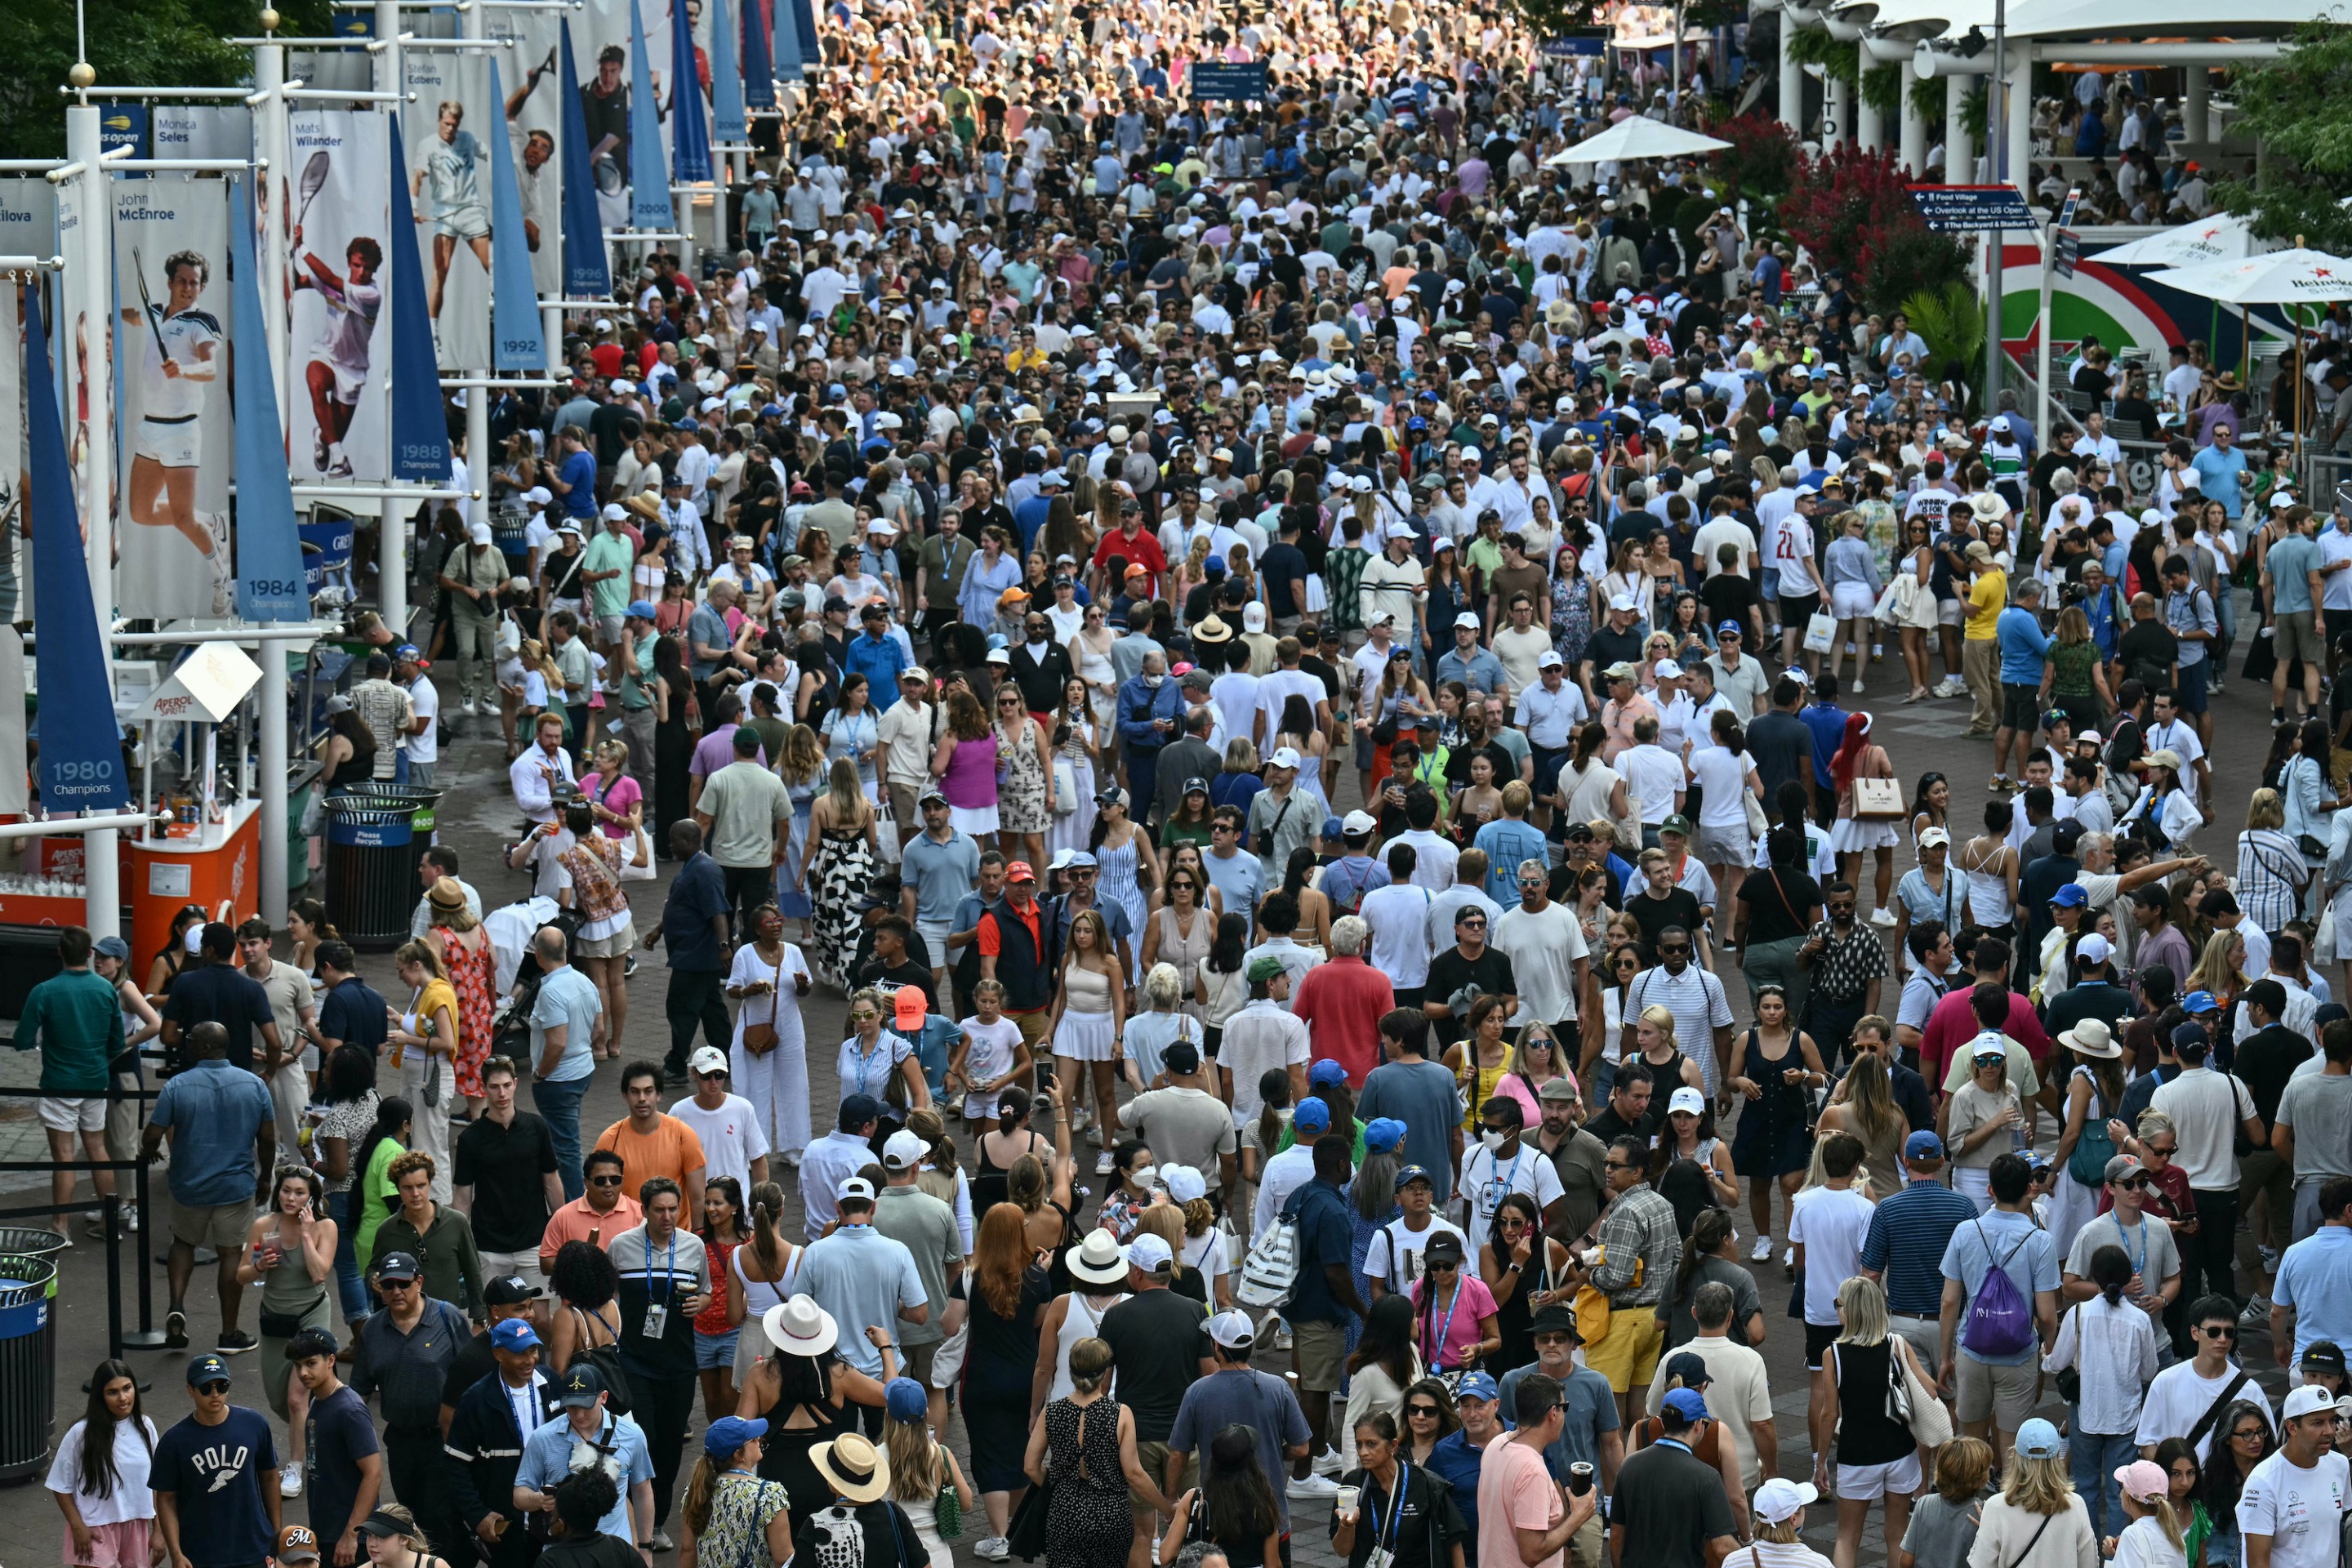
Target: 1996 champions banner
point(171, 355)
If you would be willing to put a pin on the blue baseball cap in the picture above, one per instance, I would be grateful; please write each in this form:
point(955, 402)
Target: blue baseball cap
point(1312, 1116)
point(513, 1334)
point(906, 1400)
point(1384, 1133)
point(2070, 897)
point(1333, 828)
point(2198, 1002)
point(1410, 1173)
point(205, 1368)
point(2037, 1440)
point(1924, 1145)
point(643, 610)
point(1687, 1402)
point(1326, 1073)
point(1475, 1386)
point(729, 1433)
point(1730, 628)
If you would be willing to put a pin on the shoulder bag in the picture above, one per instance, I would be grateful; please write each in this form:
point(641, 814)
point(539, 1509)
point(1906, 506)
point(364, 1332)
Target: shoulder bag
point(1877, 799)
point(760, 1038)
point(2213, 1411)
point(2033, 1541)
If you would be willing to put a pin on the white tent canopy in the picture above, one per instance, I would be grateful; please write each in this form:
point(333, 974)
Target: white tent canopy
point(2217, 238)
point(1637, 136)
point(2282, 277)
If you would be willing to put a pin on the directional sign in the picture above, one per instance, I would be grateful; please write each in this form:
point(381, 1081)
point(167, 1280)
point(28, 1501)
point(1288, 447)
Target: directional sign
point(1230, 83)
point(2066, 252)
point(1964, 209)
point(1589, 42)
point(2066, 213)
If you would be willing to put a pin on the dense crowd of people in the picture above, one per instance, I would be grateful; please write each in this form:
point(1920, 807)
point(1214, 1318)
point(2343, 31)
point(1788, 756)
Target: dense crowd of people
point(1300, 668)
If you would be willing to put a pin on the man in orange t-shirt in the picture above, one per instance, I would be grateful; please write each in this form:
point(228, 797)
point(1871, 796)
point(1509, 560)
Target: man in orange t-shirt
point(651, 1142)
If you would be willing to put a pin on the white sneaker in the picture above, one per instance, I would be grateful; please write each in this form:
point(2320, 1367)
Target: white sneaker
point(2257, 1312)
point(1326, 1463)
point(993, 1549)
point(1857, 688)
point(1104, 1164)
point(1882, 917)
point(662, 1541)
point(1789, 1261)
point(1313, 1488)
point(1763, 1252)
point(1282, 1337)
point(290, 1480)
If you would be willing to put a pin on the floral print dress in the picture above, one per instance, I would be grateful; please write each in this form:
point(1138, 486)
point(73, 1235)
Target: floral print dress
point(473, 975)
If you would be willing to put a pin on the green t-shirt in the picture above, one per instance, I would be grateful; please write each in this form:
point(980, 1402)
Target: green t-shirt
point(610, 551)
point(373, 1195)
point(74, 1021)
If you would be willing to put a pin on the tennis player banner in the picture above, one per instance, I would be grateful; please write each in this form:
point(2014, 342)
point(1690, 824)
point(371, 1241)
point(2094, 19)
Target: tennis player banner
point(270, 585)
point(420, 435)
point(453, 112)
point(337, 417)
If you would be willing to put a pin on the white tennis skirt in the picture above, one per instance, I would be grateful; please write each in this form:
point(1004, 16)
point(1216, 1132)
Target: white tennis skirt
point(973, 819)
point(1086, 1037)
point(1850, 834)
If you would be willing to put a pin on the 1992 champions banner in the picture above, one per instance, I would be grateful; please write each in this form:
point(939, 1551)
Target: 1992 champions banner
point(340, 205)
point(171, 355)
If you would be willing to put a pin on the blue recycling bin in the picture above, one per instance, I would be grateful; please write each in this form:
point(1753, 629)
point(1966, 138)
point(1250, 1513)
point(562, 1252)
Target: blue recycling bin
point(28, 1361)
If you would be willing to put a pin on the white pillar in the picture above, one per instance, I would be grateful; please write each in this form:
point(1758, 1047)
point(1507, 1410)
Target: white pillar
point(2019, 99)
point(1959, 151)
point(478, 454)
point(1792, 80)
point(272, 138)
point(1869, 125)
point(2192, 106)
point(392, 537)
point(89, 293)
point(1837, 112)
point(1912, 146)
point(273, 763)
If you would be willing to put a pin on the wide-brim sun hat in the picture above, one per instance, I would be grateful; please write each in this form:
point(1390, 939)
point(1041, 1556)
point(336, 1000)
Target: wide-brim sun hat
point(800, 1327)
point(854, 1468)
point(1097, 1261)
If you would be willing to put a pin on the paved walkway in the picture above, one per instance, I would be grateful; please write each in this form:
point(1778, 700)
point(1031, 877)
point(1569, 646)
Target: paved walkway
point(1920, 737)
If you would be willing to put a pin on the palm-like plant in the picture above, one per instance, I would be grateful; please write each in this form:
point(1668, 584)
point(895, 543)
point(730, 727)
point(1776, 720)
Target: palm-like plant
point(1951, 319)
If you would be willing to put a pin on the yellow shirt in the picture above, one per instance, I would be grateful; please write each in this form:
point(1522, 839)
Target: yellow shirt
point(1988, 597)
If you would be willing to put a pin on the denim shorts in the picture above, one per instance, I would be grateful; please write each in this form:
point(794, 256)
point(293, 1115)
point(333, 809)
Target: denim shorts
point(715, 1350)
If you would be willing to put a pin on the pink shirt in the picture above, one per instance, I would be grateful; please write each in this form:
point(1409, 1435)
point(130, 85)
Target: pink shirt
point(1516, 1492)
point(1444, 1338)
point(623, 795)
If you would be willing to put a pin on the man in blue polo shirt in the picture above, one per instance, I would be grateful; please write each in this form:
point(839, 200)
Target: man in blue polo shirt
point(1904, 1247)
point(1320, 1301)
point(218, 1116)
point(615, 1444)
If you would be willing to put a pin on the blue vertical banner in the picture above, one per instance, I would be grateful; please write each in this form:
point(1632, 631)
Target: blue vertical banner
point(80, 766)
point(689, 129)
point(786, 34)
point(650, 208)
point(805, 18)
point(271, 583)
point(420, 435)
point(759, 58)
point(516, 341)
point(727, 128)
point(585, 269)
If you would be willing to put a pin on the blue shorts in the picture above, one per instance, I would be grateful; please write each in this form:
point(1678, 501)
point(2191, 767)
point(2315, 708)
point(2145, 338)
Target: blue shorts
point(715, 1350)
point(2191, 688)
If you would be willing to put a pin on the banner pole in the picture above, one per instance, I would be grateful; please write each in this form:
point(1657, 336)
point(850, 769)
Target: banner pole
point(92, 299)
point(472, 27)
point(273, 134)
point(392, 537)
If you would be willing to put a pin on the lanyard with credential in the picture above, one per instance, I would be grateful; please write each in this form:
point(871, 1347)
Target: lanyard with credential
point(2140, 1264)
point(669, 1269)
point(1434, 1353)
point(1386, 1538)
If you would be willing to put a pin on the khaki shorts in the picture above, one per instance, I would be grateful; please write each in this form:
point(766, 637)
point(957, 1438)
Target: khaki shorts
point(1153, 1458)
point(1585, 1547)
point(523, 1266)
point(1628, 1355)
point(918, 1361)
point(73, 1115)
point(220, 1226)
point(1926, 1336)
point(2006, 1394)
point(1321, 1350)
point(620, 944)
point(2294, 636)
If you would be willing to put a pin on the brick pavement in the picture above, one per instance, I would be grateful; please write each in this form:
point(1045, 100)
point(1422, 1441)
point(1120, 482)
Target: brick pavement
point(1920, 737)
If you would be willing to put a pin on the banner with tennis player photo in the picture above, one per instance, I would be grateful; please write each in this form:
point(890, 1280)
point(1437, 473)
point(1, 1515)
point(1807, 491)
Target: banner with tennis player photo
point(336, 417)
point(176, 441)
point(605, 57)
point(449, 184)
point(533, 80)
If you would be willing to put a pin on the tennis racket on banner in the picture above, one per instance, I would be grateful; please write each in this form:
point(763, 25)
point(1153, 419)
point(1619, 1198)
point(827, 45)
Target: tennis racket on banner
point(147, 303)
point(314, 180)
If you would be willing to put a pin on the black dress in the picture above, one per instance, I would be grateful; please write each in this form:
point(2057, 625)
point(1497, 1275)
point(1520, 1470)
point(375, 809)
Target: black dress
point(673, 754)
point(786, 1457)
point(1089, 1526)
point(1000, 1359)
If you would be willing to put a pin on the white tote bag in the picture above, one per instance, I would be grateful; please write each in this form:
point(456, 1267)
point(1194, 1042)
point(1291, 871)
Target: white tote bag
point(1821, 630)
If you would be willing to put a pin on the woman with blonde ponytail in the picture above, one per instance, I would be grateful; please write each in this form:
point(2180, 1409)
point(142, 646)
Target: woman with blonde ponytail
point(765, 1267)
point(2155, 1537)
point(921, 1469)
point(938, 1175)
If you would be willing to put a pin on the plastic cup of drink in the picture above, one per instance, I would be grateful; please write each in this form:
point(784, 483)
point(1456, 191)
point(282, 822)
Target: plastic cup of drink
point(1344, 1502)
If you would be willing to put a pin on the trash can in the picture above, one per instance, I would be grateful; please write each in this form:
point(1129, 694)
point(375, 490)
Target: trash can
point(28, 1371)
point(371, 854)
point(425, 801)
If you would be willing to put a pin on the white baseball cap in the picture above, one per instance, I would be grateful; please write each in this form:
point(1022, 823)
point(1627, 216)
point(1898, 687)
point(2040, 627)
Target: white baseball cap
point(903, 1150)
point(1687, 1099)
point(1286, 757)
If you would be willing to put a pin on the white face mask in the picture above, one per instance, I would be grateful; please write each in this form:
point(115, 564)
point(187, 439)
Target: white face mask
point(1143, 1176)
point(1492, 1141)
point(1152, 682)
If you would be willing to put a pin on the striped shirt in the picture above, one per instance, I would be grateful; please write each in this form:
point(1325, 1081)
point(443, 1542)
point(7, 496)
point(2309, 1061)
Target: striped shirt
point(1905, 1245)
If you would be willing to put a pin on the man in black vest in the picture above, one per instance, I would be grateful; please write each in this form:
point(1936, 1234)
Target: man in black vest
point(1020, 948)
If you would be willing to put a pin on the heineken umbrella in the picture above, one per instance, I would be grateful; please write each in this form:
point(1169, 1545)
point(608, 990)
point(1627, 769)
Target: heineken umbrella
point(2291, 277)
point(1637, 136)
point(2217, 238)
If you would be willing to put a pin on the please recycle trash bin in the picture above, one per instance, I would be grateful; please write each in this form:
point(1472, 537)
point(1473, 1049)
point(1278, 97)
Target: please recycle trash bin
point(28, 1289)
point(372, 847)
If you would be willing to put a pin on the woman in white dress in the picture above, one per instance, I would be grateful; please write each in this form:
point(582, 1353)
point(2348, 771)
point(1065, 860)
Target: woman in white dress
point(1088, 1018)
point(1075, 732)
point(1128, 866)
point(1090, 652)
point(769, 978)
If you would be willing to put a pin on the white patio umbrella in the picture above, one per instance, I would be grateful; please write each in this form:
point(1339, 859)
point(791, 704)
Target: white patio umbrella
point(2217, 238)
point(2291, 277)
point(1637, 136)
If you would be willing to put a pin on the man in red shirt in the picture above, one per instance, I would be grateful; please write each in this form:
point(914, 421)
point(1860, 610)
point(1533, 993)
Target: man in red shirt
point(1020, 954)
point(1134, 542)
point(1342, 1001)
point(1954, 1023)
